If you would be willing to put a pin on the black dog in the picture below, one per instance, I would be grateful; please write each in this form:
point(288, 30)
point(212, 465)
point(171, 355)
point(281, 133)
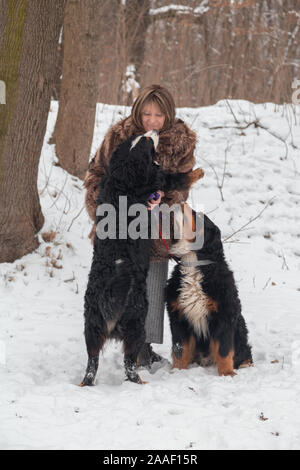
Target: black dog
point(203, 305)
point(115, 300)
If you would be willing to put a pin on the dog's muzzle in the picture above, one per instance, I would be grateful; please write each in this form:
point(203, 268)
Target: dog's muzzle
point(153, 134)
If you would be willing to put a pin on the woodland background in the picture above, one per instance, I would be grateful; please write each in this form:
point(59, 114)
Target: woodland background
point(69, 69)
point(80, 52)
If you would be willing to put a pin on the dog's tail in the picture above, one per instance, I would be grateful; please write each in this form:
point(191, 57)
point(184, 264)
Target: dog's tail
point(183, 181)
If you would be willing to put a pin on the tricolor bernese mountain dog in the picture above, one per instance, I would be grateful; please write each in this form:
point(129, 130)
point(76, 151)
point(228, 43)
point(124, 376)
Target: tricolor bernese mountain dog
point(115, 303)
point(203, 305)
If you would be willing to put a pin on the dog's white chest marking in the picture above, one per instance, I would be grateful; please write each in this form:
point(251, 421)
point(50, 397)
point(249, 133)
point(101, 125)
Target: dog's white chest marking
point(191, 298)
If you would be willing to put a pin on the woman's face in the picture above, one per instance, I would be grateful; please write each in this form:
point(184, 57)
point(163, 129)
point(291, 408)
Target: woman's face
point(152, 117)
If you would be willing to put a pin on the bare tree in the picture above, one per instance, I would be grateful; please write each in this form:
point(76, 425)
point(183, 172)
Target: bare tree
point(136, 22)
point(123, 27)
point(28, 40)
point(55, 92)
point(202, 50)
point(211, 49)
point(74, 127)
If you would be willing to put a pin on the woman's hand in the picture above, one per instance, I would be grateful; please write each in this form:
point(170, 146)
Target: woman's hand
point(152, 203)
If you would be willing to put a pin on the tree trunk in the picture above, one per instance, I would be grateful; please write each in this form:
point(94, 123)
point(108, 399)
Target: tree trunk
point(29, 36)
point(131, 35)
point(74, 127)
point(137, 22)
point(55, 90)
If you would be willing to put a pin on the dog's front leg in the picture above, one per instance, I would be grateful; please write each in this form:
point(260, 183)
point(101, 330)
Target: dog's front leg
point(183, 353)
point(183, 342)
point(222, 351)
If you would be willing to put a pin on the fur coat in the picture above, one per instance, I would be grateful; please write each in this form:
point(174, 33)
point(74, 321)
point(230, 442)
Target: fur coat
point(175, 154)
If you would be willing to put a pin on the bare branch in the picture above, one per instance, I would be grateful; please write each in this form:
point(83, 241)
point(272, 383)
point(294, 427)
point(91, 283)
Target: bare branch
point(76, 217)
point(250, 221)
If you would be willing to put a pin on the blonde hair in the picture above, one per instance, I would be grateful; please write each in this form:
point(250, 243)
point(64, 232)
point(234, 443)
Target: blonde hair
point(162, 98)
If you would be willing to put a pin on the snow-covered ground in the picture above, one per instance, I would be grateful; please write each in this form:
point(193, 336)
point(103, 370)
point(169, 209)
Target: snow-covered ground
point(42, 349)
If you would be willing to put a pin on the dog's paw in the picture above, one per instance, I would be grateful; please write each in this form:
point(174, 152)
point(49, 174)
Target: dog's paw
point(136, 379)
point(247, 363)
point(87, 382)
point(227, 373)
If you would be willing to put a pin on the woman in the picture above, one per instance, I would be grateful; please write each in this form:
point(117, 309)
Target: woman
point(154, 108)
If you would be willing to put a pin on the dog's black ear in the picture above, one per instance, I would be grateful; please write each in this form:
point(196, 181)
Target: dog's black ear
point(212, 238)
point(117, 163)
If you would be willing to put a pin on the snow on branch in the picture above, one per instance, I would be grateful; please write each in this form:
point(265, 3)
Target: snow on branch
point(177, 10)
